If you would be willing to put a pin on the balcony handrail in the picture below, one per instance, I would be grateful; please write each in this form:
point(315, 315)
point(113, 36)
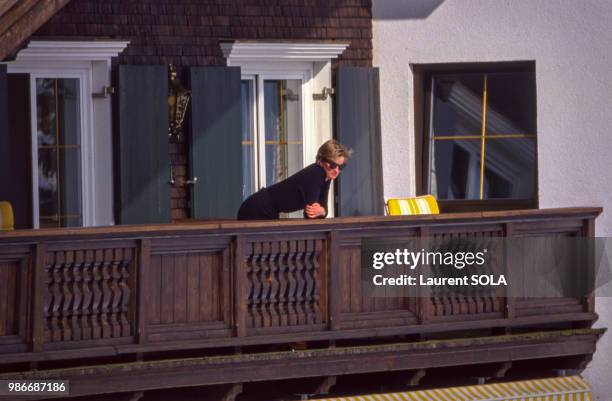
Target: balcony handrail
point(202, 226)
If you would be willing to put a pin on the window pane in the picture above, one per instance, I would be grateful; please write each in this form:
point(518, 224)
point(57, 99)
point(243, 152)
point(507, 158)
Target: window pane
point(59, 152)
point(68, 109)
point(510, 168)
point(457, 104)
point(455, 172)
point(70, 186)
point(283, 126)
point(248, 139)
point(47, 183)
point(511, 103)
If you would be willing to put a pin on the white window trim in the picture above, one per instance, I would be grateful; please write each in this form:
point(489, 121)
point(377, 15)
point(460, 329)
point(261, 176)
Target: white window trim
point(310, 62)
point(240, 52)
point(90, 62)
point(85, 124)
point(307, 114)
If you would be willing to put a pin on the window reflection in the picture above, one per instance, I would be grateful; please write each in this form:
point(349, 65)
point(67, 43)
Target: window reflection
point(283, 125)
point(481, 119)
point(59, 152)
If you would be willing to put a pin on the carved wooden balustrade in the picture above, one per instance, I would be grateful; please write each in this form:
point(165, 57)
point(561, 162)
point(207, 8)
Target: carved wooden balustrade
point(95, 292)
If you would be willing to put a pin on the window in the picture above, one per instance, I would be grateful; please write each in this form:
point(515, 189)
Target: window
point(57, 154)
point(273, 130)
point(282, 124)
point(478, 150)
point(70, 130)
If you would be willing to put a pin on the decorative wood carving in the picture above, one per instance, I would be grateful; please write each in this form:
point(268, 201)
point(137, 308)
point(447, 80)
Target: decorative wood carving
point(473, 299)
point(87, 294)
point(284, 283)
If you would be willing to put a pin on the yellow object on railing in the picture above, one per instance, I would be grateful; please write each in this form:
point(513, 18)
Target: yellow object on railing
point(6, 216)
point(425, 204)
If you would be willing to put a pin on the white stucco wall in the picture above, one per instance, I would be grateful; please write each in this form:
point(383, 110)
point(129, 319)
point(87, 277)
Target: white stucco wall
point(571, 43)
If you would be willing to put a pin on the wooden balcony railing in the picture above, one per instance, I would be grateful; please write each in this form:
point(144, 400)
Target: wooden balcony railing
point(95, 292)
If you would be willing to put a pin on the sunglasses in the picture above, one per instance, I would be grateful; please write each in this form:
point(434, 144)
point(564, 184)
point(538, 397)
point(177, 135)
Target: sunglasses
point(333, 165)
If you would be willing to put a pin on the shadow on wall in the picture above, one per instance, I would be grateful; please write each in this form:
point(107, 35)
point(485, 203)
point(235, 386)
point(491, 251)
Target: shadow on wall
point(404, 9)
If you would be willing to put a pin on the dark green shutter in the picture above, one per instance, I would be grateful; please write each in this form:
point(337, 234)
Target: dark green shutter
point(216, 151)
point(144, 162)
point(15, 145)
point(360, 186)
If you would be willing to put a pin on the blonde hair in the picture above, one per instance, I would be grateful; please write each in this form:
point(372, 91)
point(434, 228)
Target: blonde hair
point(332, 149)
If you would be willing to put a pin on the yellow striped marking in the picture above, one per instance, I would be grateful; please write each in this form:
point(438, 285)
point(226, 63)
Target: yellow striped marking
point(572, 388)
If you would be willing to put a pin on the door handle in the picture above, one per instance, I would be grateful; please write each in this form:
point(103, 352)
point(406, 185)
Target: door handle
point(192, 181)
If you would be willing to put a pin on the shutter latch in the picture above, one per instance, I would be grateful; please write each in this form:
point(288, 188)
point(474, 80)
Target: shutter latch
point(106, 92)
point(324, 94)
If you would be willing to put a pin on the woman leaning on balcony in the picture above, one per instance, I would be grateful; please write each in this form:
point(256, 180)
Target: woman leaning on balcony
point(307, 189)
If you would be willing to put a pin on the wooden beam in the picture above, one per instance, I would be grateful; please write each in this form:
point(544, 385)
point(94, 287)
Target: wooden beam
point(325, 385)
point(136, 396)
point(6, 5)
point(232, 392)
point(19, 23)
point(315, 363)
point(416, 377)
point(13, 15)
point(503, 369)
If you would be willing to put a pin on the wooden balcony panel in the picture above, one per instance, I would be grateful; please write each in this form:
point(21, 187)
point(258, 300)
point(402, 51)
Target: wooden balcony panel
point(79, 292)
point(186, 288)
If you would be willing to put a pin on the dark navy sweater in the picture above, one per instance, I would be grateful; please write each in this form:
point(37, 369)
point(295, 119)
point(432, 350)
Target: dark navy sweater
point(305, 187)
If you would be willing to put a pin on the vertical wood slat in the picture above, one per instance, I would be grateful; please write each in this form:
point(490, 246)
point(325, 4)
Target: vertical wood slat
point(240, 297)
point(167, 289)
point(205, 277)
point(335, 288)
point(226, 285)
point(215, 271)
point(154, 291)
point(424, 301)
point(37, 313)
point(143, 292)
point(180, 288)
point(12, 278)
point(193, 285)
point(5, 284)
point(25, 295)
point(510, 298)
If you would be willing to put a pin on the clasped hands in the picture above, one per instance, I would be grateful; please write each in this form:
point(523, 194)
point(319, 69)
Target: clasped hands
point(314, 210)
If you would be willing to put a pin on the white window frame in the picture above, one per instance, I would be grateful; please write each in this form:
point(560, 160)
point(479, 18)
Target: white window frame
point(259, 74)
point(310, 62)
point(90, 62)
point(88, 202)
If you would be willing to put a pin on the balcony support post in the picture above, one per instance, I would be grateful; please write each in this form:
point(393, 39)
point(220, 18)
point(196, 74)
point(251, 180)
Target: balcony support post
point(37, 312)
